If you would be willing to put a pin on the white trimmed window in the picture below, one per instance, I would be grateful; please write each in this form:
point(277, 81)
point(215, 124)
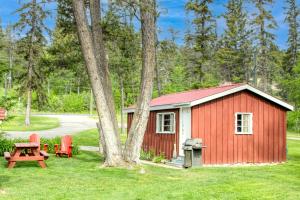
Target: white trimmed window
point(165, 122)
point(243, 123)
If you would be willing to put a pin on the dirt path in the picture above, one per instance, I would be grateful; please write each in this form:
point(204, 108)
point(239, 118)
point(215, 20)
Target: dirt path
point(293, 138)
point(69, 124)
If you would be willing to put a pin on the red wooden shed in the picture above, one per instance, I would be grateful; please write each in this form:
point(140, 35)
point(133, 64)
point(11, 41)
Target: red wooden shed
point(237, 123)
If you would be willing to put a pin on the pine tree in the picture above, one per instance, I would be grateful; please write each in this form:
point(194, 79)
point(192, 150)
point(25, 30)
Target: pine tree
point(234, 53)
point(31, 22)
point(204, 36)
point(291, 57)
point(264, 23)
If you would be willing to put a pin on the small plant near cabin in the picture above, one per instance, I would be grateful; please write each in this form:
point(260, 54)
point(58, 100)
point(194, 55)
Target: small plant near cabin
point(159, 159)
point(147, 155)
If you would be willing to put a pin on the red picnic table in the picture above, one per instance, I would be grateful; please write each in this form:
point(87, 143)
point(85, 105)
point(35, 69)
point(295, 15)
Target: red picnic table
point(26, 152)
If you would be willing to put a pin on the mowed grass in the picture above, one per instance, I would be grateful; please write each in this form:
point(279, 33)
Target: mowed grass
point(81, 177)
point(91, 138)
point(17, 123)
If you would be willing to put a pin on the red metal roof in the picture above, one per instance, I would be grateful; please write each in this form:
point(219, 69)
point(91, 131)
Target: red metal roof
point(189, 96)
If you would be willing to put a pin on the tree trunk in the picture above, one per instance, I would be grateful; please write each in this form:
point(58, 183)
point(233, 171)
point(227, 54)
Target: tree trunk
point(102, 146)
point(122, 105)
point(91, 102)
point(113, 149)
point(30, 66)
point(141, 114)
point(99, 49)
point(28, 107)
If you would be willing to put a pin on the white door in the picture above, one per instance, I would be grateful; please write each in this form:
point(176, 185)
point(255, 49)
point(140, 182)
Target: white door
point(185, 127)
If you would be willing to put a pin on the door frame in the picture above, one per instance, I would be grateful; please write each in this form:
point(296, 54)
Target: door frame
point(185, 127)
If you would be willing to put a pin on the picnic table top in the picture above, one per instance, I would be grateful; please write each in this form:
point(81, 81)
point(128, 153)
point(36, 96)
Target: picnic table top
point(26, 145)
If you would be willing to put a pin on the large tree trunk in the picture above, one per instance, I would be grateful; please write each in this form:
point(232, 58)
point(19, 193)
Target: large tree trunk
point(99, 49)
point(141, 114)
point(113, 149)
point(29, 88)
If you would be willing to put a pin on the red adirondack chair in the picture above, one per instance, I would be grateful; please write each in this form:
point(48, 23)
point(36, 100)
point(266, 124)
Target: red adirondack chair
point(36, 138)
point(65, 146)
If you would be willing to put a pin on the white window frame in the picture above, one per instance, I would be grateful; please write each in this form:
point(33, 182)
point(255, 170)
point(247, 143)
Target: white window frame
point(250, 123)
point(157, 122)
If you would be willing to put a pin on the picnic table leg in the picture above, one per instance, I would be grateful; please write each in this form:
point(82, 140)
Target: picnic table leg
point(41, 162)
point(11, 164)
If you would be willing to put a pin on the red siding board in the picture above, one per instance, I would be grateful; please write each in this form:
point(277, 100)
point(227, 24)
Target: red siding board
point(219, 133)
point(284, 136)
point(230, 132)
point(224, 130)
point(255, 130)
point(243, 138)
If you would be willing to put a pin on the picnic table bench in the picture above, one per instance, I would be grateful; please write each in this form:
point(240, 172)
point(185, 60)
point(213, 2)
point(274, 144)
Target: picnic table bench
point(26, 152)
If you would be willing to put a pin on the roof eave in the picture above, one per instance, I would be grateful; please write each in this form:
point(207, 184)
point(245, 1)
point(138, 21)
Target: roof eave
point(161, 107)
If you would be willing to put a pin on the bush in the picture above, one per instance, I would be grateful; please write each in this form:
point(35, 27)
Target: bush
point(8, 144)
point(68, 103)
point(293, 121)
point(147, 155)
point(9, 101)
point(159, 159)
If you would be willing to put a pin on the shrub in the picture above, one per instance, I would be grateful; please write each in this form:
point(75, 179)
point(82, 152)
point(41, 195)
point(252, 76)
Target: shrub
point(68, 103)
point(147, 155)
point(159, 159)
point(293, 121)
point(8, 144)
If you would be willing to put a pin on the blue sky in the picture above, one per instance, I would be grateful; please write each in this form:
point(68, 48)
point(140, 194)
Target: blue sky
point(172, 15)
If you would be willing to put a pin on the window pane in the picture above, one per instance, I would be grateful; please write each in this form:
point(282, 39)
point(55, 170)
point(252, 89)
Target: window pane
point(246, 117)
point(245, 130)
point(239, 117)
point(167, 128)
point(172, 122)
point(239, 129)
point(245, 123)
point(239, 123)
point(160, 122)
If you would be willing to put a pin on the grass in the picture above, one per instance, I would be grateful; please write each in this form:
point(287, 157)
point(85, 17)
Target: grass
point(16, 123)
point(91, 138)
point(82, 178)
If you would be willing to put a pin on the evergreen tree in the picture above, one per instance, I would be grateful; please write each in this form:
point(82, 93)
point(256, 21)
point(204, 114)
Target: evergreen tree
point(31, 22)
point(291, 57)
point(264, 23)
point(234, 53)
point(203, 38)
point(64, 55)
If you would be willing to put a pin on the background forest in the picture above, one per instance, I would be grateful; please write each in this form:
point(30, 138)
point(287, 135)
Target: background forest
point(245, 52)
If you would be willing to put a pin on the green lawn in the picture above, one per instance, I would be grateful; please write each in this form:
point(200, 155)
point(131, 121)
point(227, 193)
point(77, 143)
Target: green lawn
point(91, 138)
point(82, 178)
point(16, 123)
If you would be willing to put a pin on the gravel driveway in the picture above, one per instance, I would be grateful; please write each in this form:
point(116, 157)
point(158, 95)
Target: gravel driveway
point(69, 124)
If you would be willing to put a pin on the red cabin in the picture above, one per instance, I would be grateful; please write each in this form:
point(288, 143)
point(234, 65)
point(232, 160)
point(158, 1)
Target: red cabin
point(237, 124)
